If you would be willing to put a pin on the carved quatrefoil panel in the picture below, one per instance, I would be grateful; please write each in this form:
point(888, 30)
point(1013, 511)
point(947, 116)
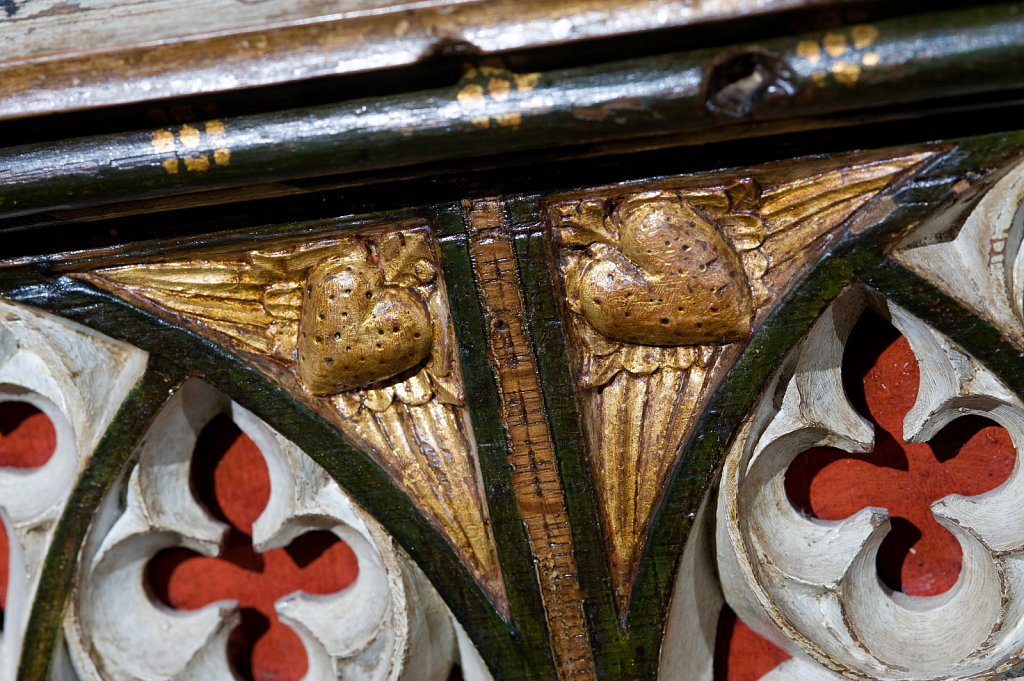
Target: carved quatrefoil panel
point(811, 585)
point(389, 623)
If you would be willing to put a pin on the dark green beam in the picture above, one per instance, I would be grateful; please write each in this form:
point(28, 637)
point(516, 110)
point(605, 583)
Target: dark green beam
point(786, 83)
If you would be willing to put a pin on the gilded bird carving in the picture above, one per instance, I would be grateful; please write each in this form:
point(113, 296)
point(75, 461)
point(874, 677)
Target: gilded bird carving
point(673, 281)
point(358, 327)
point(661, 289)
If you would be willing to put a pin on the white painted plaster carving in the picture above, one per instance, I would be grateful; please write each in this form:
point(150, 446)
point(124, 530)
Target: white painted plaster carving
point(983, 266)
point(811, 586)
point(389, 624)
point(78, 378)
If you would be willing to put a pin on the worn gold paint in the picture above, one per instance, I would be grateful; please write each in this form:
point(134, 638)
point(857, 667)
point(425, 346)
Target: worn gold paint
point(189, 136)
point(660, 289)
point(162, 141)
point(809, 50)
point(499, 89)
point(526, 82)
point(171, 165)
point(846, 72)
point(871, 59)
point(215, 129)
point(864, 35)
point(509, 120)
point(835, 44)
point(471, 96)
point(498, 85)
point(197, 164)
point(222, 156)
point(374, 303)
point(540, 495)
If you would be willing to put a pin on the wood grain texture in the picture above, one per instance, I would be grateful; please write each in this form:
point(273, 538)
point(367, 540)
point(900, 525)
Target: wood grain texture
point(357, 327)
point(116, 52)
point(654, 287)
point(538, 487)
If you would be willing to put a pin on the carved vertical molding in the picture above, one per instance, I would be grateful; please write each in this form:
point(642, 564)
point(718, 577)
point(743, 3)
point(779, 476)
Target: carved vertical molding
point(540, 495)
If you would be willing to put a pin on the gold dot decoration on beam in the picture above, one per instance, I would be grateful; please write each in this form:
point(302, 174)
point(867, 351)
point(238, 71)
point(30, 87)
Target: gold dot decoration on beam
point(492, 83)
point(844, 56)
point(183, 146)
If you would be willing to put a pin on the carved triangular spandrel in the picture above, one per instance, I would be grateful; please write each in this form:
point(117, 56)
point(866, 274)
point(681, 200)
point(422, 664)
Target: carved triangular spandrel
point(663, 287)
point(358, 328)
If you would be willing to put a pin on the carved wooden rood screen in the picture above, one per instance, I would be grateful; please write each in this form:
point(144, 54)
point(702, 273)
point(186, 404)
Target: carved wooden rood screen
point(635, 340)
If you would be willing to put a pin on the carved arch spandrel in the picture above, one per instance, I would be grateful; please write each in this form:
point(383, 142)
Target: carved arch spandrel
point(980, 263)
point(662, 289)
point(358, 328)
point(388, 624)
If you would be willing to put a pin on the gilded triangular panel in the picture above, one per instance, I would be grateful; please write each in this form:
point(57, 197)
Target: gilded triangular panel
point(358, 327)
point(662, 288)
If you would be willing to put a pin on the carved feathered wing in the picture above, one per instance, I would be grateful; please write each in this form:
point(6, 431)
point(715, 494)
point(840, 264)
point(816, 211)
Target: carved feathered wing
point(661, 290)
point(358, 327)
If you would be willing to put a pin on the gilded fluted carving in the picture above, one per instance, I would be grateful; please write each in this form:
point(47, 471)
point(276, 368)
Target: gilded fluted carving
point(358, 327)
point(661, 289)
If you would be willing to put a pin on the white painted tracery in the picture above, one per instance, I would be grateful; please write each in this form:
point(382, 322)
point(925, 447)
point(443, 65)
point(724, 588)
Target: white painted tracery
point(810, 585)
point(982, 266)
point(388, 624)
point(78, 379)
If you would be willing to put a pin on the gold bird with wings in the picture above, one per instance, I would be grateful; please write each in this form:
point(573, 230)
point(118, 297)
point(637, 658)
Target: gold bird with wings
point(661, 288)
point(358, 327)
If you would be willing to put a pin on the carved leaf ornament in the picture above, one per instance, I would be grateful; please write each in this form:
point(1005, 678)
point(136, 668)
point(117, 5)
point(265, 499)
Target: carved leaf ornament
point(811, 585)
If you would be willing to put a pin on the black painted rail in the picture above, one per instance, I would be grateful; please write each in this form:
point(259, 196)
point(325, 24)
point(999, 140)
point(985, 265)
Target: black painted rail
point(733, 92)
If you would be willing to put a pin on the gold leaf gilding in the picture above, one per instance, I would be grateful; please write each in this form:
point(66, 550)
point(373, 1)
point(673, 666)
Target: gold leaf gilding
point(189, 136)
point(375, 306)
point(835, 44)
point(864, 35)
point(662, 287)
point(163, 141)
